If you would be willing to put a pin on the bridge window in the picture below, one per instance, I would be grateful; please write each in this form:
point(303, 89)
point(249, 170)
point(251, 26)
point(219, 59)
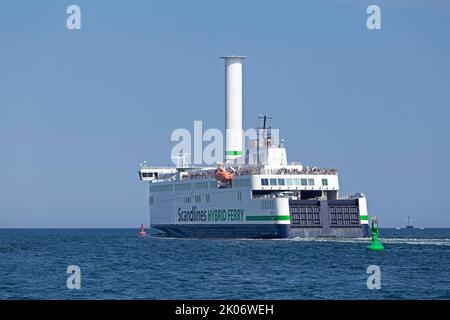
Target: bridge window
point(264, 182)
point(324, 182)
point(281, 182)
point(273, 182)
point(304, 182)
point(297, 181)
point(310, 182)
point(289, 182)
point(147, 174)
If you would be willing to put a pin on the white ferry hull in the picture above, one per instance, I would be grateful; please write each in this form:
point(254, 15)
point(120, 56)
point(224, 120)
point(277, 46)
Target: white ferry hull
point(223, 213)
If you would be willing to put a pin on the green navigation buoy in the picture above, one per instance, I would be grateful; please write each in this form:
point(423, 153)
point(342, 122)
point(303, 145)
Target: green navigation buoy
point(376, 245)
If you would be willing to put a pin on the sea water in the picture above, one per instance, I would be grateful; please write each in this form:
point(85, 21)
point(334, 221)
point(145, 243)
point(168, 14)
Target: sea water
point(119, 264)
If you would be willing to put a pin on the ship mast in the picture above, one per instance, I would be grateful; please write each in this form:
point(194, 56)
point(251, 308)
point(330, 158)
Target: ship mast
point(264, 120)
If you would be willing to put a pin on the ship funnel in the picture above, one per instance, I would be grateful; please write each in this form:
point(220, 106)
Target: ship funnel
point(233, 107)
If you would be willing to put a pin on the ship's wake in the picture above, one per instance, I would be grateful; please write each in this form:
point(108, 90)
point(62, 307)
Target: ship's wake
point(412, 241)
point(393, 241)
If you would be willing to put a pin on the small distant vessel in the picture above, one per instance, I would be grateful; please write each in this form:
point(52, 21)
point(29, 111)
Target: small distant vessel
point(409, 225)
point(142, 230)
point(398, 228)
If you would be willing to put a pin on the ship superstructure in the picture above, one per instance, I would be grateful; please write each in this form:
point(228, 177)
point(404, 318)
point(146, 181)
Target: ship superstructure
point(256, 194)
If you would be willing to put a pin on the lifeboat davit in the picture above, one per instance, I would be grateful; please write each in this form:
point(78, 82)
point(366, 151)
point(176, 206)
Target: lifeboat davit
point(142, 230)
point(223, 175)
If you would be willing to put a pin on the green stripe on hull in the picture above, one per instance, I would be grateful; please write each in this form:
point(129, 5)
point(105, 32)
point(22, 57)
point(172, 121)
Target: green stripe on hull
point(266, 218)
point(364, 218)
point(233, 153)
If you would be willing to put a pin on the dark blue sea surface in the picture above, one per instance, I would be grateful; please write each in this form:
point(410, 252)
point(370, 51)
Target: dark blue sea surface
point(119, 264)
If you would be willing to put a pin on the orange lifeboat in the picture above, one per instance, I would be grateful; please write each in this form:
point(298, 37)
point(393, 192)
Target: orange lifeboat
point(223, 175)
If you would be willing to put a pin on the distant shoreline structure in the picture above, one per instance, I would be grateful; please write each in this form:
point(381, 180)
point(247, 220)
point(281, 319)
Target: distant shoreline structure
point(409, 224)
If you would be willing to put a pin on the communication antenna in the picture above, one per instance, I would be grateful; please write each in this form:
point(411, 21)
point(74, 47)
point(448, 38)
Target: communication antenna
point(267, 134)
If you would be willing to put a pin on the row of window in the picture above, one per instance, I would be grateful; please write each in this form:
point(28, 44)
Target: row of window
point(164, 187)
point(241, 183)
point(207, 198)
point(183, 187)
point(291, 182)
point(197, 199)
point(198, 185)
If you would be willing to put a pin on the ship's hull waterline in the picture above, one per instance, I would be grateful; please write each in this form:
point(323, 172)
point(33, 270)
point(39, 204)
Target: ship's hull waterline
point(255, 231)
point(305, 219)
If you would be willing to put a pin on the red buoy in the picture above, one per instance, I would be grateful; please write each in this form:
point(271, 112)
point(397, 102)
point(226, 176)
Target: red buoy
point(142, 231)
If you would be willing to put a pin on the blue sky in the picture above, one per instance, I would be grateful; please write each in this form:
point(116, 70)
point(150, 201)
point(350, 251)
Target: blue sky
point(80, 109)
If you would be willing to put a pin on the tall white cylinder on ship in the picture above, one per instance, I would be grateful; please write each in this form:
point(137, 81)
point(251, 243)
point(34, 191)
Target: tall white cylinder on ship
point(233, 108)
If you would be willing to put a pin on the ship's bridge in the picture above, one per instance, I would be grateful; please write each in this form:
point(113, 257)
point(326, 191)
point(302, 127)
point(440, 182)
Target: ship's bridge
point(148, 173)
point(305, 183)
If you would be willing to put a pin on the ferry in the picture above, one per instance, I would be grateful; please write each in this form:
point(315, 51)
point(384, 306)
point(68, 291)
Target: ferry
point(409, 225)
point(251, 194)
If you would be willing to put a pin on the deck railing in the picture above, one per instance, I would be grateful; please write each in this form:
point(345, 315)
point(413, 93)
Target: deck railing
point(252, 171)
